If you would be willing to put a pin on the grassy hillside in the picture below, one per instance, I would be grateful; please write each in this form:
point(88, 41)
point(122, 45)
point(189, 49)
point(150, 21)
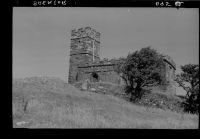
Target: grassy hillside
point(51, 103)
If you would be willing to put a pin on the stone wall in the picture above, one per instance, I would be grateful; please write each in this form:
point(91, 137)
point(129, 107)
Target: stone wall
point(84, 45)
point(169, 70)
point(75, 62)
point(168, 74)
point(105, 73)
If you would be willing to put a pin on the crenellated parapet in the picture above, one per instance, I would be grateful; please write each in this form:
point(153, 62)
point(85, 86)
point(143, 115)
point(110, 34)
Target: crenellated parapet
point(86, 32)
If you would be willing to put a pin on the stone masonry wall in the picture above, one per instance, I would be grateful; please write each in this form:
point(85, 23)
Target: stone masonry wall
point(84, 45)
point(168, 75)
point(105, 73)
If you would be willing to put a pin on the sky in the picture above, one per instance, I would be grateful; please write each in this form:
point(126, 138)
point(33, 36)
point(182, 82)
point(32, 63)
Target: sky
point(41, 35)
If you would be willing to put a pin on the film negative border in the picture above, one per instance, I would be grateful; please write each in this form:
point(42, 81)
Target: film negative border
point(106, 3)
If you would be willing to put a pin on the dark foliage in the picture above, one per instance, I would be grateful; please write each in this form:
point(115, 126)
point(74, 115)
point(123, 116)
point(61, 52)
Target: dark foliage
point(189, 81)
point(140, 69)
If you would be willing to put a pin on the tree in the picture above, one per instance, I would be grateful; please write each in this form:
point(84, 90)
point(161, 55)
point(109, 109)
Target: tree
point(188, 79)
point(140, 69)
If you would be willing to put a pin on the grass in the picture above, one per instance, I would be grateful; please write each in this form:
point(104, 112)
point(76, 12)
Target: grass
point(51, 103)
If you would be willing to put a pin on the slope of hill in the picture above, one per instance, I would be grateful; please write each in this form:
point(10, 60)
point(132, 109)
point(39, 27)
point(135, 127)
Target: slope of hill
point(51, 103)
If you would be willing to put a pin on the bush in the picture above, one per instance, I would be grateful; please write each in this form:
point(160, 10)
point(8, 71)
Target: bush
point(141, 69)
point(188, 79)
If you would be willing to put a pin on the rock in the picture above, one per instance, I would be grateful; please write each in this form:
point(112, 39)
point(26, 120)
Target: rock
point(100, 87)
point(93, 89)
point(21, 123)
point(84, 85)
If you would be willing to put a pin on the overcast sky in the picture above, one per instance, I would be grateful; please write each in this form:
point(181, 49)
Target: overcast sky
point(41, 36)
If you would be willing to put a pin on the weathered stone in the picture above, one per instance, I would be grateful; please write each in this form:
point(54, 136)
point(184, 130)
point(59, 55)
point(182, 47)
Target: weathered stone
point(84, 85)
point(100, 87)
point(21, 123)
point(93, 89)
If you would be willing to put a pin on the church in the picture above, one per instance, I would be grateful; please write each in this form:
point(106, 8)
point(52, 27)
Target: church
point(85, 62)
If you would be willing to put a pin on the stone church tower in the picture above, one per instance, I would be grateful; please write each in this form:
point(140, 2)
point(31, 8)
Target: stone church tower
point(84, 48)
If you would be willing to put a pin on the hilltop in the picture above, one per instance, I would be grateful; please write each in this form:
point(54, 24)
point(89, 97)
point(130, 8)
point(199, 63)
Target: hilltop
point(45, 102)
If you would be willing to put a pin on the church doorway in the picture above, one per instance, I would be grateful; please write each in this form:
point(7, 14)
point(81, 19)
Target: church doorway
point(94, 77)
